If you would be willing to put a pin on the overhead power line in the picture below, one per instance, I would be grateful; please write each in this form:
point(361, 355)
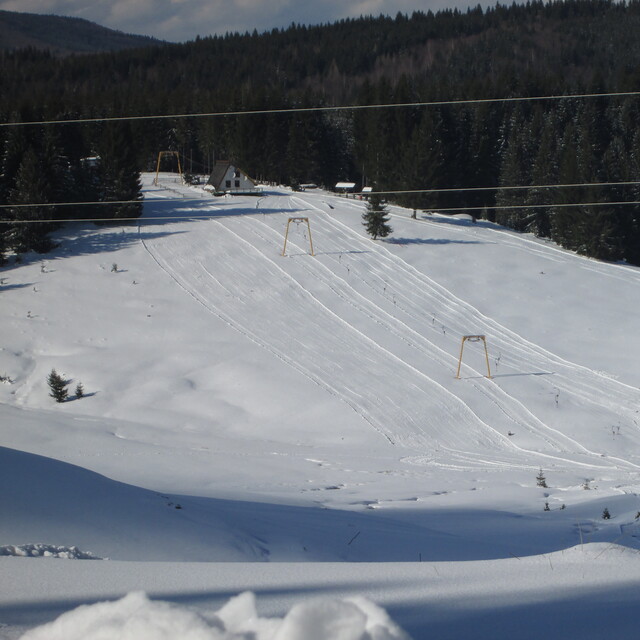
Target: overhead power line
point(196, 216)
point(536, 206)
point(572, 185)
point(355, 107)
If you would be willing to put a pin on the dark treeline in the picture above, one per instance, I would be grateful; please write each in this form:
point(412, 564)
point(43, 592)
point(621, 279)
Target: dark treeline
point(533, 49)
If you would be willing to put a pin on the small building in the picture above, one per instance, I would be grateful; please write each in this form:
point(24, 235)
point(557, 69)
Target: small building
point(227, 178)
point(344, 187)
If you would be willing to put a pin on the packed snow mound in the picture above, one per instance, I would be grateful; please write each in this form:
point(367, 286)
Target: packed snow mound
point(46, 551)
point(135, 617)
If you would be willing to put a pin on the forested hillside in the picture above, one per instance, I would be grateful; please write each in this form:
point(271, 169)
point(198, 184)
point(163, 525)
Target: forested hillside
point(460, 150)
point(62, 35)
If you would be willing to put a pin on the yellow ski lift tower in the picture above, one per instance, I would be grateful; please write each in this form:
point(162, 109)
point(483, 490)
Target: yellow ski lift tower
point(168, 153)
point(486, 354)
point(286, 235)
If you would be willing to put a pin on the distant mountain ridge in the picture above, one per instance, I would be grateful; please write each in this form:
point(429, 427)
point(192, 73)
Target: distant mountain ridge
point(62, 35)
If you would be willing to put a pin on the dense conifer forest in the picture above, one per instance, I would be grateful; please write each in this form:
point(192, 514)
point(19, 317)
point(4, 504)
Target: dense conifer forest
point(63, 36)
point(461, 152)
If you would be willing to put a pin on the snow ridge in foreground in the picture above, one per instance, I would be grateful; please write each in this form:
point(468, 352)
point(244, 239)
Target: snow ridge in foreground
point(135, 617)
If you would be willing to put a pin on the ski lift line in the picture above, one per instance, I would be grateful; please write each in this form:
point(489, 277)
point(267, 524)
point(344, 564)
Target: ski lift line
point(396, 191)
point(215, 215)
point(112, 220)
point(355, 107)
point(571, 185)
point(537, 206)
point(82, 204)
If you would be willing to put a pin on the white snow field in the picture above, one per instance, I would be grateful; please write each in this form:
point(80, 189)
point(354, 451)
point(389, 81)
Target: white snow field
point(278, 447)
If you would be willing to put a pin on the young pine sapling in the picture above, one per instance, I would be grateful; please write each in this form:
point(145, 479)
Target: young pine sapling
point(58, 386)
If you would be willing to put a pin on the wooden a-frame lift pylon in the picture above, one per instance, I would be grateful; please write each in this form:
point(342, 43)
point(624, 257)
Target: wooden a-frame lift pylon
point(486, 353)
point(168, 153)
point(286, 235)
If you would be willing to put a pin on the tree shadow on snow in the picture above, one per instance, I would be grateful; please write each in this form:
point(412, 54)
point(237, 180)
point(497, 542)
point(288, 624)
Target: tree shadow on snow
point(11, 287)
point(171, 212)
point(104, 240)
point(433, 241)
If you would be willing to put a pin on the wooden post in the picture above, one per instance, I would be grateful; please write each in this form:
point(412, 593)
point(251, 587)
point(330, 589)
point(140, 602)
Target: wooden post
point(286, 235)
point(486, 353)
point(169, 153)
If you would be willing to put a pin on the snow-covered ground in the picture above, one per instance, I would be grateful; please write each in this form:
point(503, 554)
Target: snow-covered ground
point(242, 406)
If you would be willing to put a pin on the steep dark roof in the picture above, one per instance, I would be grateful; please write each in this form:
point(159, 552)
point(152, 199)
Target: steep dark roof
point(218, 173)
point(220, 170)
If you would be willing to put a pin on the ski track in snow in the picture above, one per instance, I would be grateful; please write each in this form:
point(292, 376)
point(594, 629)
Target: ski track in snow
point(336, 302)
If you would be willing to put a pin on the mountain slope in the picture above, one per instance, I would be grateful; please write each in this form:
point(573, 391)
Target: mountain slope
point(63, 35)
point(216, 368)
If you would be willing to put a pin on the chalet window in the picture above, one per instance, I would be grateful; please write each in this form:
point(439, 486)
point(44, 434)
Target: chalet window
point(236, 173)
point(237, 183)
point(228, 184)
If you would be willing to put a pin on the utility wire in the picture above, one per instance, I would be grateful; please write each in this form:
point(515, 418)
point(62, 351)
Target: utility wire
point(187, 200)
point(537, 206)
point(356, 107)
point(213, 215)
point(514, 187)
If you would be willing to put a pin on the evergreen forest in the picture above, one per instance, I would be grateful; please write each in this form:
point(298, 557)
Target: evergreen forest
point(457, 138)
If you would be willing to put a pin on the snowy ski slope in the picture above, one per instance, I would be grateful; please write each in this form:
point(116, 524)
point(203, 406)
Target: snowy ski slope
point(383, 336)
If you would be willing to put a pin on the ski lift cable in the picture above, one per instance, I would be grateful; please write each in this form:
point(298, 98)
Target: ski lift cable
point(214, 215)
point(355, 107)
point(572, 185)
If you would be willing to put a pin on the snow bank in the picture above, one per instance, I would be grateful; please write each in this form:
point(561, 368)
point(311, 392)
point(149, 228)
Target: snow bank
point(46, 551)
point(135, 617)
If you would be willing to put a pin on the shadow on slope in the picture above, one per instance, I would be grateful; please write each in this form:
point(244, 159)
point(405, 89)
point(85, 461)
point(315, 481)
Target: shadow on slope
point(432, 241)
point(159, 211)
point(586, 611)
point(79, 239)
point(574, 594)
point(53, 502)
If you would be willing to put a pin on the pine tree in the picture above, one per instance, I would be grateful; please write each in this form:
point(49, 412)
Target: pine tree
point(544, 172)
point(375, 220)
point(3, 241)
point(514, 172)
point(119, 175)
point(541, 481)
point(28, 233)
point(58, 386)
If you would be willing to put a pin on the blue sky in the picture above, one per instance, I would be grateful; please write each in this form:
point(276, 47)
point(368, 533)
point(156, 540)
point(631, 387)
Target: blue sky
point(181, 20)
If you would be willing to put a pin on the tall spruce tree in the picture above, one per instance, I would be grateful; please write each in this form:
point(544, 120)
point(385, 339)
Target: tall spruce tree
point(375, 218)
point(119, 175)
point(57, 386)
point(28, 231)
point(514, 172)
point(544, 172)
